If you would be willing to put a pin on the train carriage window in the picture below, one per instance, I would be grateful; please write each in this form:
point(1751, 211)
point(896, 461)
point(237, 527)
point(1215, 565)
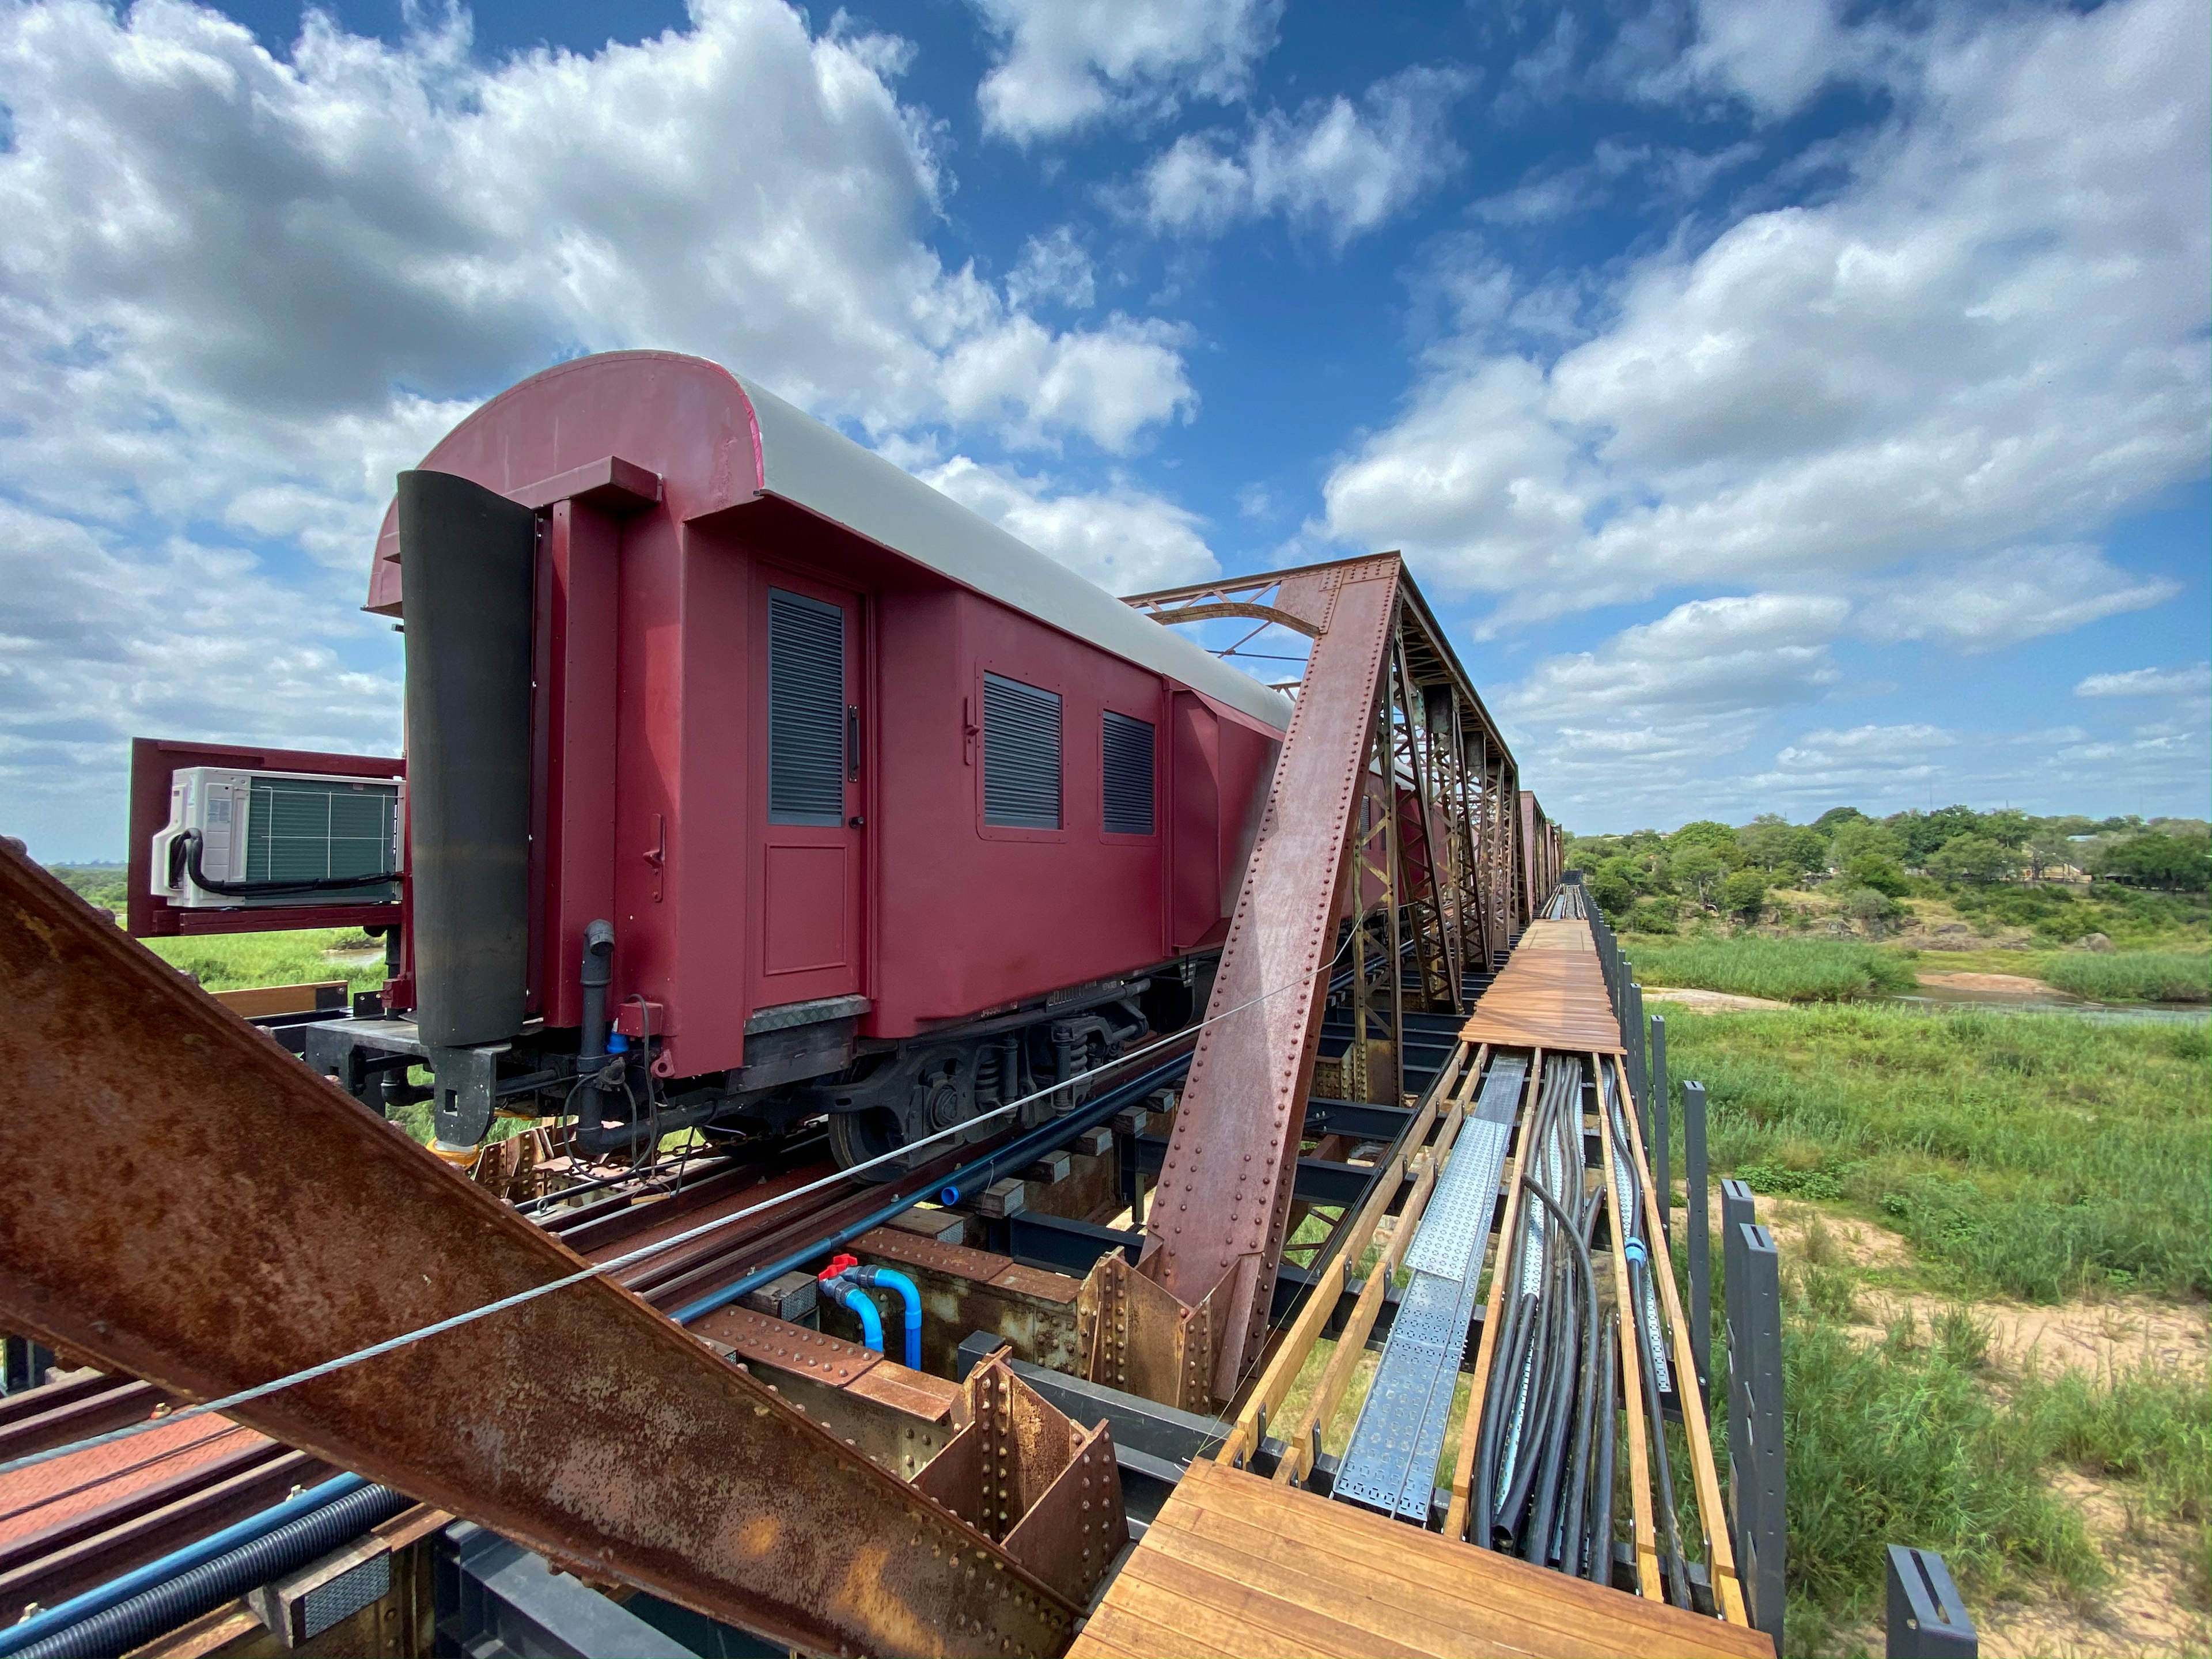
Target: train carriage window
point(806, 710)
point(1021, 755)
point(1128, 768)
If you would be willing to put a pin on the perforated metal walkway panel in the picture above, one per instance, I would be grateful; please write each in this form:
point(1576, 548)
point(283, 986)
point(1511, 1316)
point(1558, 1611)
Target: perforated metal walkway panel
point(1391, 1463)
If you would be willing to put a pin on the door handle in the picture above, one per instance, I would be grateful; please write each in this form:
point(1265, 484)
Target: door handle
point(852, 743)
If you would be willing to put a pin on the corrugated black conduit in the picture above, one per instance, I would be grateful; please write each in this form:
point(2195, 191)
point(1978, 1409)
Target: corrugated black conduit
point(1539, 1489)
point(132, 1623)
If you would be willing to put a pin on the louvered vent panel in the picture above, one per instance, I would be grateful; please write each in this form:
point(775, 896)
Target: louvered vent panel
point(806, 710)
point(1129, 775)
point(1021, 755)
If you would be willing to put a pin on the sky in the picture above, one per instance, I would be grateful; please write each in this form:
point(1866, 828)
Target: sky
point(1784, 405)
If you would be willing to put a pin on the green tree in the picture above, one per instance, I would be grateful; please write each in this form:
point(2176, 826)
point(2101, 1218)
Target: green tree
point(1858, 837)
point(1922, 833)
point(1777, 846)
point(1744, 894)
point(2050, 845)
point(1706, 835)
point(1698, 875)
point(1872, 908)
point(1880, 872)
point(1973, 858)
point(1836, 816)
point(1613, 892)
point(2155, 861)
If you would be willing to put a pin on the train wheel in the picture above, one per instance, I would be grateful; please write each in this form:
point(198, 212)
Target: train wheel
point(858, 1137)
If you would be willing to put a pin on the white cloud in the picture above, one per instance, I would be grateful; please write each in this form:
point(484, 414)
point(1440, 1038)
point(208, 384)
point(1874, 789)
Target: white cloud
point(2149, 682)
point(1336, 166)
point(1063, 65)
point(1994, 333)
point(101, 642)
point(2004, 597)
point(1110, 382)
point(1125, 539)
point(1864, 746)
point(1774, 54)
point(1054, 270)
point(239, 292)
point(1707, 659)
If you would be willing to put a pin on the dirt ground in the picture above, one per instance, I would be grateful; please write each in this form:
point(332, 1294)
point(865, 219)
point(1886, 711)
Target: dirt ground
point(2013, 984)
point(2118, 1332)
point(1709, 1002)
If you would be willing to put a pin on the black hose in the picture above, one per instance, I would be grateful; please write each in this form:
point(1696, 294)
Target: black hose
point(190, 840)
point(1572, 1524)
point(132, 1623)
point(1508, 1350)
point(1581, 1261)
point(1599, 1531)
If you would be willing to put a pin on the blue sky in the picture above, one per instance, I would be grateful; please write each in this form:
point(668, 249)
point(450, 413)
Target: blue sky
point(1786, 405)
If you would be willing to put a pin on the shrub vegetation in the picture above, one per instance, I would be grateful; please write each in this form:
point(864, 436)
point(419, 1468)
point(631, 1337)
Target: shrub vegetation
point(2139, 976)
point(1785, 971)
point(2034, 1155)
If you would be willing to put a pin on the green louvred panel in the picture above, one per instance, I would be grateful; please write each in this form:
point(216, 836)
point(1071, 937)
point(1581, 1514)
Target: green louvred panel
point(301, 830)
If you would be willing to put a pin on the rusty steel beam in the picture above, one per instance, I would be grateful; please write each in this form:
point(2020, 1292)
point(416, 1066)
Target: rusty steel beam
point(188, 1203)
point(1217, 1219)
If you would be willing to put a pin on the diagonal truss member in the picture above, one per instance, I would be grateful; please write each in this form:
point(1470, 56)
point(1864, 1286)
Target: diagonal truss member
point(188, 1203)
point(1392, 807)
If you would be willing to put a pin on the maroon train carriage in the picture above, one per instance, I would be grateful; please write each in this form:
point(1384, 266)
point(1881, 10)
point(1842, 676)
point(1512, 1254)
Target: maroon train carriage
point(748, 779)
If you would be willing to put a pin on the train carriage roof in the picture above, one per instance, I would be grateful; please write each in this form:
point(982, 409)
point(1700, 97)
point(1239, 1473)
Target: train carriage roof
point(689, 420)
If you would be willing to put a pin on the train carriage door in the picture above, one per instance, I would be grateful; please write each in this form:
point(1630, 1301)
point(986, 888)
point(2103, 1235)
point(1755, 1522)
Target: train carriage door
point(811, 866)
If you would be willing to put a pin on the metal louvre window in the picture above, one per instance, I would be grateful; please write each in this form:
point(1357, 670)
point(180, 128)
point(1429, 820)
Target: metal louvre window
point(806, 710)
point(1021, 755)
point(1128, 768)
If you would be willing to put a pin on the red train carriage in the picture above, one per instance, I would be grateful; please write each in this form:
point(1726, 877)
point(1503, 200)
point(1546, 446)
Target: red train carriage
point(739, 752)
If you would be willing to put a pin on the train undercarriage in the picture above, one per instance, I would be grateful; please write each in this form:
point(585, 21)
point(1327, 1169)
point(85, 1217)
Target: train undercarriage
point(804, 1063)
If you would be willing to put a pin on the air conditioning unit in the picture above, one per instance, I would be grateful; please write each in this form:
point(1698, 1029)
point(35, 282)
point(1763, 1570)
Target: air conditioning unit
point(271, 838)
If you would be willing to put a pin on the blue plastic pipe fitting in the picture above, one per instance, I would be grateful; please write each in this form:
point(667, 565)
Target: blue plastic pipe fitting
point(890, 1279)
point(864, 1306)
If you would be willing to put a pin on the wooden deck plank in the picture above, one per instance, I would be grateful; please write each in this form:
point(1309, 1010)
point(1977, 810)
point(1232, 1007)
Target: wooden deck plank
point(1236, 1564)
point(1479, 1586)
point(1281, 1607)
point(1114, 1629)
point(1720, 1548)
point(1433, 1616)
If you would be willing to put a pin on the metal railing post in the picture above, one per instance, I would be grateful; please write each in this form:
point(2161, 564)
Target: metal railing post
point(1662, 1157)
point(1700, 1224)
point(1756, 1486)
point(1927, 1619)
point(1639, 1068)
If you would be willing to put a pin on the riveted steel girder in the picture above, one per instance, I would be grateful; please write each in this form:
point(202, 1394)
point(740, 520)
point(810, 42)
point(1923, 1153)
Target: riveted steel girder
point(189, 1204)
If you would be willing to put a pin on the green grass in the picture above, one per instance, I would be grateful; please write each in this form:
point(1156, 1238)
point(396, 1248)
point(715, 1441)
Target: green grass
point(1784, 970)
point(2037, 1155)
point(1900, 1442)
point(230, 962)
point(2135, 976)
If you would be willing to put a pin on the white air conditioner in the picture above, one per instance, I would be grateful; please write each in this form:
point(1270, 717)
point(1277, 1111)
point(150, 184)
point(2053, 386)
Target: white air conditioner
point(270, 839)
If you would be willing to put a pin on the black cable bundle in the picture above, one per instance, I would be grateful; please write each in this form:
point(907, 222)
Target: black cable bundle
point(1543, 1476)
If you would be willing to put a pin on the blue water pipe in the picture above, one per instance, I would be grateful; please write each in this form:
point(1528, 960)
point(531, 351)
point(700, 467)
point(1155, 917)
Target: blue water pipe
point(890, 1279)
point(13, 1638)
point(871, 1322)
